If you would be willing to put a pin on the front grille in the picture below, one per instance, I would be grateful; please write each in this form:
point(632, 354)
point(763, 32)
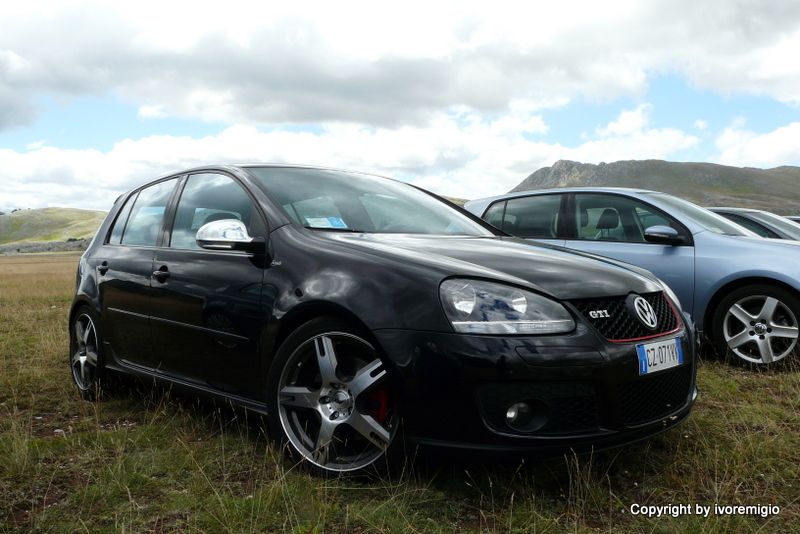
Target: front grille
point(571, 406)
point(652, 397)
point(622, 324)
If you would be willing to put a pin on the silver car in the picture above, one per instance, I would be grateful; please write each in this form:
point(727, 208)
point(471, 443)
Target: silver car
point(763, 223)
point(742, 291)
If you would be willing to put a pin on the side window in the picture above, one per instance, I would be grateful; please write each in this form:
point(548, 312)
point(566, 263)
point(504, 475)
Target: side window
point(648, 218)
point(494, 215)
point(617, 218)
point(534, 216)
point(147, 214)
point(119, 225)
point(207, 198)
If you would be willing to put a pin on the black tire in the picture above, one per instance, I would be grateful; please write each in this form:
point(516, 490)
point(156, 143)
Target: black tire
point(296, 421)
point(86, 360)
point(745, 335)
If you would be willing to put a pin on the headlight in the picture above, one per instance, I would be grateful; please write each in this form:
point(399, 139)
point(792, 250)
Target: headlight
point(478, 307)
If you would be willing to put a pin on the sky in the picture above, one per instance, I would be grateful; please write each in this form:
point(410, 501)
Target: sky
point(463, 98)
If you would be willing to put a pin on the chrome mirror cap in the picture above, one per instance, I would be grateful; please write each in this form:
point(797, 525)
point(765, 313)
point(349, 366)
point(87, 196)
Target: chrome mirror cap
point(227, 234)
point(662, 234)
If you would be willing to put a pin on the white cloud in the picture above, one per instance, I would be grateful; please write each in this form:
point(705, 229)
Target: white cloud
point(700, 124)
point(240, 62)
point(739, 146)
point(447, 94)
point(460, 154)
point(151, 111)
point(628, 122)
point(36, 145)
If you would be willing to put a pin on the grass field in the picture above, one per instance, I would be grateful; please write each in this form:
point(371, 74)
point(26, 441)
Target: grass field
point(142, 461)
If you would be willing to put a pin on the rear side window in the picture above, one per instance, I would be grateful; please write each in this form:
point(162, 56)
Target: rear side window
point(533, 217)
point(494, 215)
point(119, 224)
point(207, 198)
point(147, 215)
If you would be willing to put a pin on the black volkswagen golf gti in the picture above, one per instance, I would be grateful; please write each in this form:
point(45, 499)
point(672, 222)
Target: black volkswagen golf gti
point(358, 312)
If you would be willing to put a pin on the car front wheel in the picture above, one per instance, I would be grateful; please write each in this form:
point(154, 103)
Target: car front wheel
point(757, 324)
point(335, 404)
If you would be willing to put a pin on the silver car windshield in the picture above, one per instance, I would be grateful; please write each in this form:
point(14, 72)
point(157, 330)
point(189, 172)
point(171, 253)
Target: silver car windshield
point(790, 228)
point(705, 218)
point(341, 201)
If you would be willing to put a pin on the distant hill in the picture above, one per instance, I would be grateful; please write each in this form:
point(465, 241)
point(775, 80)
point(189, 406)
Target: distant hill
point(48, 224)
point(706, 184)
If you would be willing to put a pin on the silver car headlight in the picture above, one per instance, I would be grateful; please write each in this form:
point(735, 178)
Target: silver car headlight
point(480, 307)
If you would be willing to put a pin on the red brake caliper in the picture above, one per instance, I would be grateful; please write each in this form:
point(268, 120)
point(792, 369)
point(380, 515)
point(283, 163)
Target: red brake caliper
point(378, 405)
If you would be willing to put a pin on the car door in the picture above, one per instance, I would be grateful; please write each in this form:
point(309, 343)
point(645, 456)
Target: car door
point(124, 269)
point(537, 217)
point(207, 315)
point(613, 225)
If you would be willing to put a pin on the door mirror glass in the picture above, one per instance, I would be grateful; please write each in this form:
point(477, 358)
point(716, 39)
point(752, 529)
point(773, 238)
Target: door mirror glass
point(662, 234)
point(227, 234)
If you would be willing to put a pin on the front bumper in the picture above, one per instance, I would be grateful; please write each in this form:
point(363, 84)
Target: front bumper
point(456, 389)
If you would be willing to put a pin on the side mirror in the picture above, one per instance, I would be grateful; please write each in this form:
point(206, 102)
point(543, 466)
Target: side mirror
point(664, 235)
point(227, 234)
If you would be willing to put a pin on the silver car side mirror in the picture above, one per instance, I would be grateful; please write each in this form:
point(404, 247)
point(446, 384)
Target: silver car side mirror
point(665, 235)
point(227, 234)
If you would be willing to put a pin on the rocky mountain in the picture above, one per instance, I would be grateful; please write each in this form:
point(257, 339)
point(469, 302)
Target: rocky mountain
point(707, 184)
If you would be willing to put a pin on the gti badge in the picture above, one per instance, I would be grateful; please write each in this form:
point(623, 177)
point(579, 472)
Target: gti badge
point(599, 314)
point(646, 313)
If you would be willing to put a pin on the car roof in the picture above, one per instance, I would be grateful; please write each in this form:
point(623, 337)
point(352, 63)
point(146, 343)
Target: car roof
point(515, 194)
point(737, 210)
point(234, 167)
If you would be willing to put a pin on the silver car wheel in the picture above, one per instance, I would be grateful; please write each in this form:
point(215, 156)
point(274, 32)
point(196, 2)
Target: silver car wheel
point(84, 354)
point(323, 402)
point(760, 329)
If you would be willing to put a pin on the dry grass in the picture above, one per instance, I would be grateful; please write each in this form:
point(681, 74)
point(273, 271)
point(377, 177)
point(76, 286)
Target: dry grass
point(143, 461)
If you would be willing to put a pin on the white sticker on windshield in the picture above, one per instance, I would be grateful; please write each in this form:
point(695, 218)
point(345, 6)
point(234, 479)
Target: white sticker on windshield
point(325, 222)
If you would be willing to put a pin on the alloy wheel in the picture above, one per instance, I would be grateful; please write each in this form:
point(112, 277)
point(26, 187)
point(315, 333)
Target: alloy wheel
point(84, 355)
point(760, 329)
point(334, 402)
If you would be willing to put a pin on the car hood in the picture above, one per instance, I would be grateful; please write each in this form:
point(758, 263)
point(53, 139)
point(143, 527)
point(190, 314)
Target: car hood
point(555, 271)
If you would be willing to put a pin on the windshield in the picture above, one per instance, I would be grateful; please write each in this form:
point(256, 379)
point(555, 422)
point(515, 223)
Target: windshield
point(705, 218)
point(349, 202)
point(792, 229)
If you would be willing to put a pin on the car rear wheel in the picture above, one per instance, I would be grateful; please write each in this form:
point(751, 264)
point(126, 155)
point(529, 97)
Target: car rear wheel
point(757, 325)
point(85, 353)
point(335, 404)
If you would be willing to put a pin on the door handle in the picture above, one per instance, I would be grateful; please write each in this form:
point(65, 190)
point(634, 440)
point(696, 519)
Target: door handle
point(161, 274)
point(102, 268)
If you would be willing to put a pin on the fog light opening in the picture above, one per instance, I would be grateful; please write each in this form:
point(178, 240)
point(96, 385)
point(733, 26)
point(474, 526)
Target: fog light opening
point(515, 411)
point(527, 416)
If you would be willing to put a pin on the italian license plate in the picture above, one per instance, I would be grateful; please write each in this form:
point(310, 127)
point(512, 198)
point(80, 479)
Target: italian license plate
point(655, 357)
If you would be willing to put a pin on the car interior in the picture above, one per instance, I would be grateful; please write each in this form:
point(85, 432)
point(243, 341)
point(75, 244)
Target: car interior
point(611, 218)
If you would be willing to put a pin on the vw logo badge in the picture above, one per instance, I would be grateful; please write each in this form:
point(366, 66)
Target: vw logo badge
point(646, 313)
